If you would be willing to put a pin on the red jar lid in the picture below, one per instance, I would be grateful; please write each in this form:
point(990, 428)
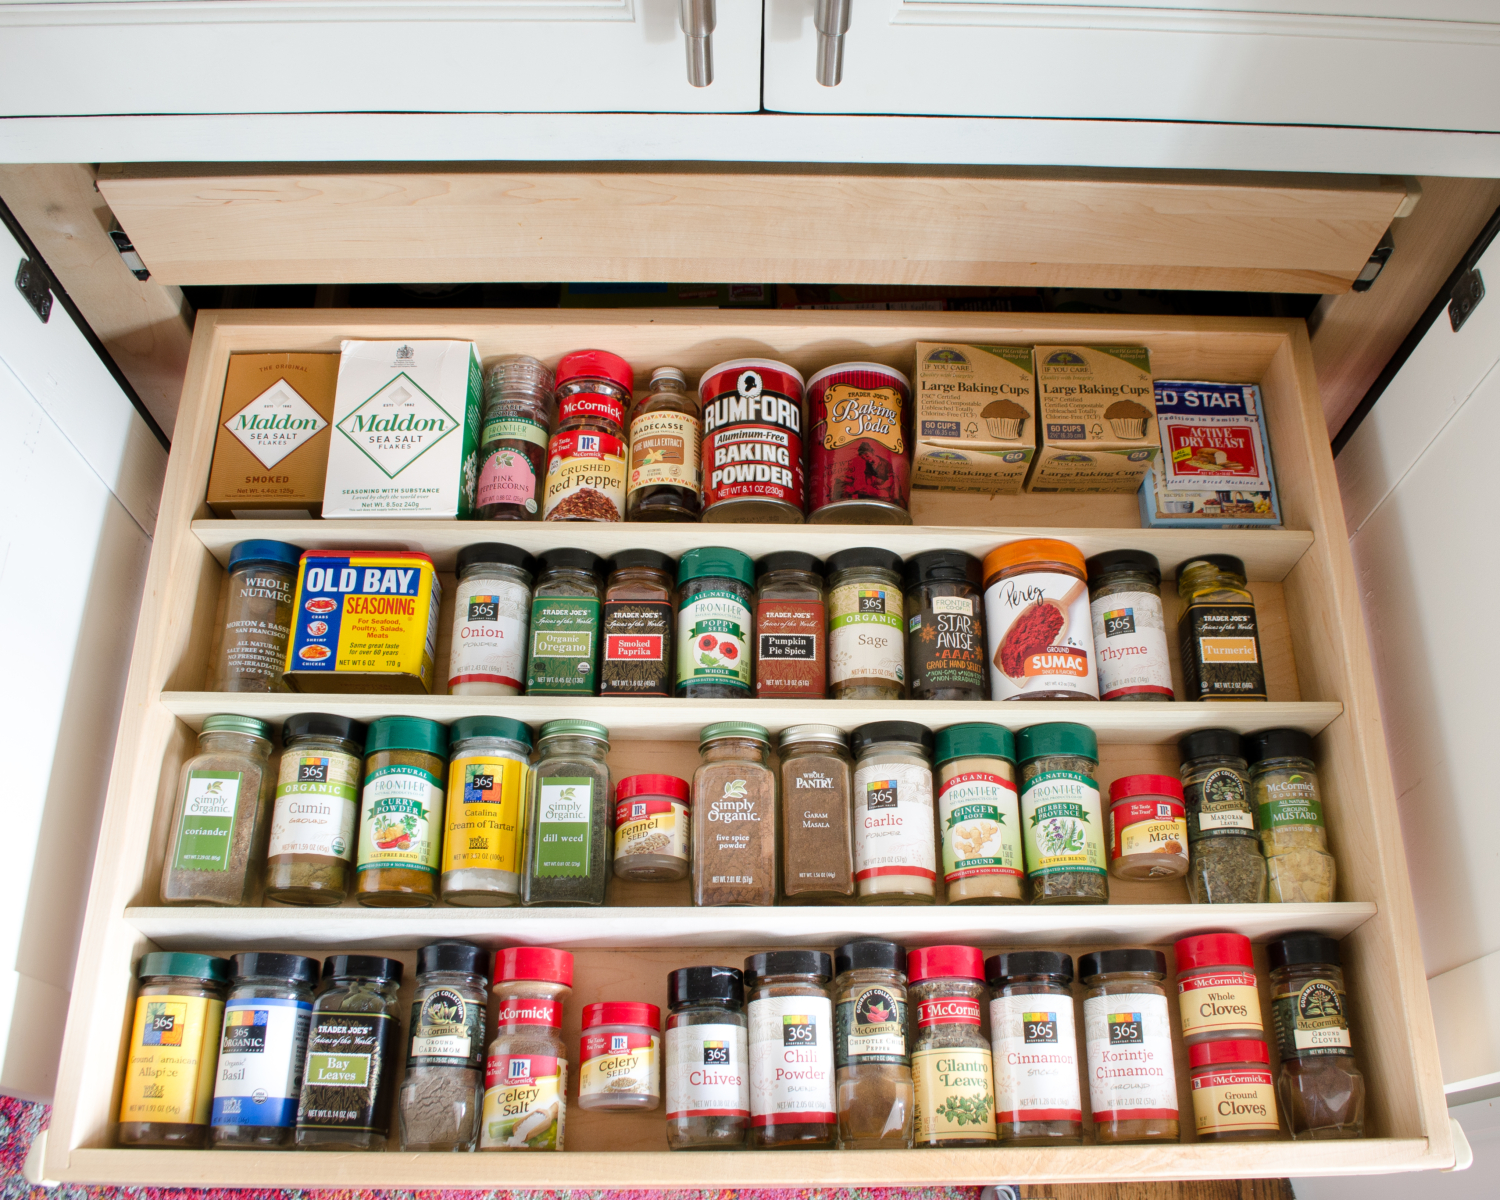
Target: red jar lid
point(534, 962)
point(621, 1013)
point(1207, 1054)
point(1145, 785)
point(1213, 950)
point(651, 785)
point(595, 364)
point(944, 962)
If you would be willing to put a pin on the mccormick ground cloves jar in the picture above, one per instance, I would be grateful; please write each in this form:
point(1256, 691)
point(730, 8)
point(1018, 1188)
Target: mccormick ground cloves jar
point(714, 624)
point(563, 659)
point(1225, 863)
point(317, 803)
point(1147, 828)
point(568, 816)
point(401, 817)
point(526, 1069)
point(651, 828)
point(1234, 1099)
point(1130, 633)
point(791, 628)
point(873, 1084)
point(1128, 1035)
point(945, 626)
point(619, 1056)
point(895, 859)
point(752, 442)
point(491, 611)
point(1218, 637)
point(951, 1063)
point(666, 435)
point(1034, 1030)
point(735, 817)
point(489, 777)
point(1321, 1090)
point(249, 653)
point(1039, 632)
point(792, 1036)
point(860, 473)
point(636, 630)
point(708, 1059)
point(513, 442)
point(817, 798)
point(1217, 997)
point(978, 813)
point(1289, 805)
point(587, 455)
point(866, 625)
point(1062, 820)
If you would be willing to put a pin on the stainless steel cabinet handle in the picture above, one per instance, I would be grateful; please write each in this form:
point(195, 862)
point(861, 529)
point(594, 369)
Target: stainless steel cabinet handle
point(697, 18)
point(832, 20)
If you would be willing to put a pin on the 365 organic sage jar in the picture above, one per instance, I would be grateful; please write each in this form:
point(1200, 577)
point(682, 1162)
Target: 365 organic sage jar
point(1062, 817)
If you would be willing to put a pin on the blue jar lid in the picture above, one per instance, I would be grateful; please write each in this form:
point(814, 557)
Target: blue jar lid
point(264, 550)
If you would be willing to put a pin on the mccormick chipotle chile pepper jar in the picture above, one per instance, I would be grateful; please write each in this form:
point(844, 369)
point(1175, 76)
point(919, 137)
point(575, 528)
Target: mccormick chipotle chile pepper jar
point(752, 442)
point(586, 457)
point(860, 446)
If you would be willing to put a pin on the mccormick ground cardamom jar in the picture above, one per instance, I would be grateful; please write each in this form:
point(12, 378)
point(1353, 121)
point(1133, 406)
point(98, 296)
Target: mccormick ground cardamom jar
point(489, 779)
point(317, 803)
point(817, 800)
point(1062, 820)
point(1217, 633)
point(586, 459)
point(637, 627)
point(714, 624)
point(1034, 1031)
point(945, 626)
point(1128, 1035)
point(860, 446)
point(735, 817)
point(708, 1059)
point(401, 815)
point(568, 816)
point(249, 653)
point(1130, 633)
point(895, 856)
point(792, 1038)
point(752, 442)
point(791, 628)
point(491, 612)
point(1038, 631)
point(1225, 862)
point(513, 442)
point(951, 1062)
point(978, 813)
point(873, 1084)
point(563, 659)
point(526, 1070)
point(666, 434)
point(866, 625)
point(442, 1090)
point(1289, 805)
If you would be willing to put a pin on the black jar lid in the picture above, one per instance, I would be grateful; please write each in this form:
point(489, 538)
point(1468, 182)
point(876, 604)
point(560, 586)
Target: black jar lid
point(932, 565)
point(1028, 962)
point(571, 558)
point(864, 556)
point(788, 560)
point(1210, 743)
point(704, 985)
point(267, 964)
point(1278, 743)
point(462, 957)
point(869, 954)
point(890, 731)
point(787, 962)
point(495, 552)
point(1112, 962)
point(366, 966)
point(654, 560)
point(1302, 949)
point(1225, 562)
point(322, 725)
point(1123, 560)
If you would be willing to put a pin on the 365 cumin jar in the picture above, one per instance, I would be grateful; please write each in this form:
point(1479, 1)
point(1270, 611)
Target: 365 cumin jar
point(317, 802)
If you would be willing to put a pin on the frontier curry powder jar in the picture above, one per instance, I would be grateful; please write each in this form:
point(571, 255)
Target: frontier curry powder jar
point(401, 819)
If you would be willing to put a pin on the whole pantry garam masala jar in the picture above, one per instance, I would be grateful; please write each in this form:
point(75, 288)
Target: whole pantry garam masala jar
point(1038, 626)
point(817, 799)
point(752, 442)
point(401, 816)
point(860, 469)
point(586, 457)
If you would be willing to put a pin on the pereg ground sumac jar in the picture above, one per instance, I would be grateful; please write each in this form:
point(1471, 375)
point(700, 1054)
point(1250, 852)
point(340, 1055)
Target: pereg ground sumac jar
point(714, 624)
point(945, 626)
point(1036, 610)
point(860, 473)
point(752, 442)
point(586, 457)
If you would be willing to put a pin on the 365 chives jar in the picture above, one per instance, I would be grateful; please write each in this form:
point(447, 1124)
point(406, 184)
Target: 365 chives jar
point(317, 803)
point(1284, 780)
point(221, 821)
point(1038, 631)
point(951, 1063)
point(568, 816)
point(866, 625)
point(491, 613)
point(513, 442)
point(895, 858)
point(860, 446)
point(735, 817)
point(619, 1055)
point(1130, 633)
point(1147, 828)
point(1035, 1034)
point(1128, 1036)
point(651, 828)
point(945, 626)
point(1234, 1098)
point(166, 1098)
point(665, 437)
point(979, 815)
point(791, 627)
point(249, 653)
point(708, 1064)
point(1219, 640)
point(1217, 998)
point(442, 1090)
point(790, 1014)
point(1225, 864)
point(489, 779)
point(563, 658)
point(401, 816)
point(1062, 821)
point(752, 442)
point(876, 1103)
point(639, 615)
point(1321, 1090)
point(715, 593)
point(263, 1051)
point(817, 800)
point(587, 455)
point(526, 1071)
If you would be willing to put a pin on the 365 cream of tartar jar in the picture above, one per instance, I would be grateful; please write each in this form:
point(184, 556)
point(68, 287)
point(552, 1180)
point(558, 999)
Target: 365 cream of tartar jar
point(620, 1052)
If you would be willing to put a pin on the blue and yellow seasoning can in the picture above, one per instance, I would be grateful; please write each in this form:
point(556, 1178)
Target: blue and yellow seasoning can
point(364, 622)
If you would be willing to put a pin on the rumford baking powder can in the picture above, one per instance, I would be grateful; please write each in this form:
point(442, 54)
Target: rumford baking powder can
point(860, 473)
point(752, 442)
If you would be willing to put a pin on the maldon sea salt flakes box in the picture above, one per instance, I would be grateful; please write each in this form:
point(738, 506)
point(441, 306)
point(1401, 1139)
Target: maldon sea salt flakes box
point(405, 430)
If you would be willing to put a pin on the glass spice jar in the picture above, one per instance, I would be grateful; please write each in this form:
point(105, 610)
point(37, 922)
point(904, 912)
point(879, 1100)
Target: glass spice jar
point(513, 442)
point(249, 652)
point(1321, 1090)
point(489, 779)
point(791, 1023)
point(526, 1071)
point(586, 457)
point(978, 813)
point(1147, 828)
point(1034, 1030)
point(352, 1044)
point(817, 801)
point(1039, 634)
point(1217, 997)
point(895, 855)
point(708, 1064)
point(1061, 818)
point(1217, 634)
point(1234, 1098)
point(945, 626)
point(563, 658)
point(221, 822)
point(1284, 781)
point(442, 1090)
point(791, 628)
point(639, 614)
point(951, 1062)
point(1130, 632)
point(401, 815)
point(619, 1056)
point(873, 1084)
point(491, 608)
point(866, 625)
point(714, 624)
point(735, 817)
point(1225, 862)
point(263, 1051)
point(568, 816)
point(1128, 1036)
point(166, 1097)
point(317, 801)
point(651, 828)
point(666, 433)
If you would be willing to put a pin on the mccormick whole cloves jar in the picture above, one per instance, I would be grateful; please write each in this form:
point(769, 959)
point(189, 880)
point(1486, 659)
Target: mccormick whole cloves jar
point(665, 438)
point(1038, 628)
point(860, 446)
point(752, 442)
point(945, 626)
point(586, 457)
point(1217, 998)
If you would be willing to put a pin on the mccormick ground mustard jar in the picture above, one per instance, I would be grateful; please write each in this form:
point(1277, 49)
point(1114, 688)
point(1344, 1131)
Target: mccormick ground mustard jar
point(752, 442)
point(1040, 634)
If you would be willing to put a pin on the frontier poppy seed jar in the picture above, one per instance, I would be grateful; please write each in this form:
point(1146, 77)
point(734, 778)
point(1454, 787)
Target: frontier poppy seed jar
point(752, 442)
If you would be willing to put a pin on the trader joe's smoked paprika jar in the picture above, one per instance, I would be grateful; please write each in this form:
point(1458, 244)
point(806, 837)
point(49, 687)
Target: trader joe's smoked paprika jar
point(1036, 616)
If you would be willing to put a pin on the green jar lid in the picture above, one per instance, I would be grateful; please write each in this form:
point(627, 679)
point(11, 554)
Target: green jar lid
point(188, 966)
point(1056, 737)
point(489, 727)
point(572, 728)
point(407, 733)
point(978, 739)
point(715, 560)
point(229, 723)
point(744, 729)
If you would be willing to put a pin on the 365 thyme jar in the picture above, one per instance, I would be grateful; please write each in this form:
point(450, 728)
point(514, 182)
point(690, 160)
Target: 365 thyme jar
point(866, 625)
point(791, 1051)
point(317, 802)
point(1062, 820)
point(1130, 633)
point(951, 1063)
point(708, 1065)
point(1127, 1032)
point(1034, 1030)
point(568, 816)
point(714, 624)
point(945, 626)
point(876, 1102)
point(895, 855)
point(1289, 804)
point(489, 779)
point(1217, 632)
point(401, 816)
point(1225, 863)
point(442, 1090)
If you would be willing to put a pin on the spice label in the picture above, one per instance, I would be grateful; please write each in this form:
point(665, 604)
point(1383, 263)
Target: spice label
point(736, 830)
point(1147, 827)
point(1219, 1000)
point(1060, 820)
point(446, 1031)
point(865, 642)
point(1036, 1059)
point(1218, 805)
point(347, 1056)
point(948, 1010)
point(893, 821)
point(616, 1064)
point(524, 1106)
point(206, 835)
point(489, 632)
point(789, 649)
point(1291, 799)
point(1041, 643)
point(1129, 1040)
point(174, 1050)
point(1234, 1101)
point(484, 813)
point(945, 645)
point(275, 423)
point(871, 1028)
point(752, 436)
point(1220, 651)
point(664, 448)
point(1311, 1021)
point(403, 812)
point(637, 642)
point(261, 1056)
point(563, 633)
point(539, 1011)
point(980, 818)
point(713, 640)
point(316, 804)
point(955, 1094)
point(818, 837)
point(564, 826)
point(791, 1061)
point(585, 478)
point(651, 827)
point(1130, 640)
point(600, 405)
point(707, 1071)
point(506, 475)
point(255, 639)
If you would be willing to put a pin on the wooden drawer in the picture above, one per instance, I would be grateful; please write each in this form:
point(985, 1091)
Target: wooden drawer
point(1319, 678)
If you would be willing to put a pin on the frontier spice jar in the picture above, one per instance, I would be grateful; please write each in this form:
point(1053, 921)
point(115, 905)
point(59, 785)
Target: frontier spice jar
point(714, 624)
point(734, 817)
point(792, 1035)
point(1036, 609)
point(951, 1063)
point(866, 625)
point(895, 859)
point(1035, 1036)
point(401, 818)
point(1061, 817)
point(1128, 1035)
point(752, 442)
point(526, 1071)
point(978, 812)
point(860, 472)
point(586, 457)
point(1219, 639)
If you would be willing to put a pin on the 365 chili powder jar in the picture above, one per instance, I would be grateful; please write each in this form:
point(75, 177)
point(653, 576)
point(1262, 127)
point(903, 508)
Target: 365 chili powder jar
point(1040, 635)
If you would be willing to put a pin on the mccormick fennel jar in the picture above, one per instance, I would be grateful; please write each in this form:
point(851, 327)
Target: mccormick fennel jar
point(860, 448)
point(752, 442)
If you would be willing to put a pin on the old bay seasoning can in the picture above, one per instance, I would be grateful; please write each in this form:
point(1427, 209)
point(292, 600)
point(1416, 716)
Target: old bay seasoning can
point(860, 448)
point(752, 442)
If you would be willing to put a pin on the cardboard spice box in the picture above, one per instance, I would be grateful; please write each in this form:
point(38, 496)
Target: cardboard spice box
point(975, 417)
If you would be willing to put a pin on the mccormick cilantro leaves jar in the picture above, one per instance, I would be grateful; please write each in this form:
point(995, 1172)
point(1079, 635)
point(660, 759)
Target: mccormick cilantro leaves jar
point(951, 1062)
point(860, 473)
point(1061, 817)
point(714, 623)
point(752, 442)
point(586, 458)
point(1130, 634)
point(1036, 612)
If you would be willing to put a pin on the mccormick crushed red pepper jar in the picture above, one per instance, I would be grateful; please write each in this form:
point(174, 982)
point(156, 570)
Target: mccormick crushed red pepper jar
point(752, 442)
point(587, 455)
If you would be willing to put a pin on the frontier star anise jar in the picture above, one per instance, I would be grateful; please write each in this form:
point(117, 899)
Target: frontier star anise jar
point(1039, 632)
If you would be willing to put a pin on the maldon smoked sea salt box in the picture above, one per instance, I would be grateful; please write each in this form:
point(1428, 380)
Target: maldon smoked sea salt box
point(1096, 423)
point(975, 413)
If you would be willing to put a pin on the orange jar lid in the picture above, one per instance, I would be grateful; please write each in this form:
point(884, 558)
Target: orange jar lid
point(1032, 550)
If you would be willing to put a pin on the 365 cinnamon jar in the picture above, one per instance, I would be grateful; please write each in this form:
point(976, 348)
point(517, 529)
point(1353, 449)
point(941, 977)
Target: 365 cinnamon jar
point(1040, 635)
point(586, 457)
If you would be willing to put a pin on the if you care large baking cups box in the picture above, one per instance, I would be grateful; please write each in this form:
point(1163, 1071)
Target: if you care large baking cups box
point(405, 430)
point(1096, 424)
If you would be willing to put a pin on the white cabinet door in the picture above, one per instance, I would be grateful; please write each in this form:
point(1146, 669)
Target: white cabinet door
point(1408, 64)
point(86, 57)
